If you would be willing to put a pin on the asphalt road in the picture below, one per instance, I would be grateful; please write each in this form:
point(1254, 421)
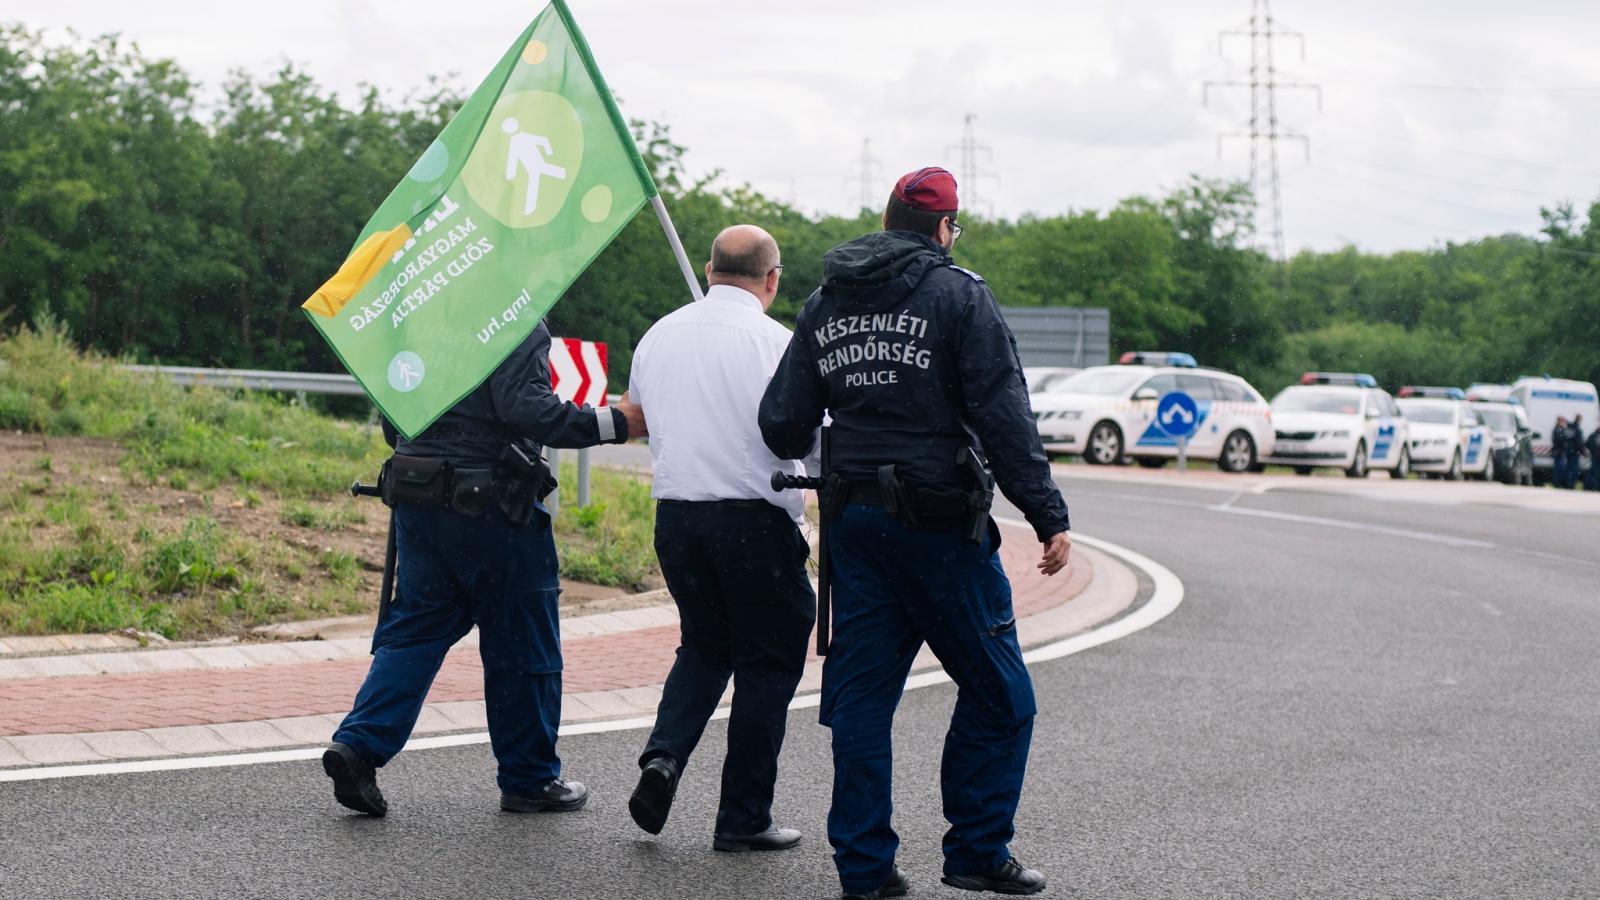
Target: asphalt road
point(1356, 699)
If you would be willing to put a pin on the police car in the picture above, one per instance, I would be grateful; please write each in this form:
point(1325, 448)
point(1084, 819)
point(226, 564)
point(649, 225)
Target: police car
point(1340, 420)
point(1448, 438)
point(1108, 413)
point(1508, 423)
point(1041, 379)
point(1545, 399)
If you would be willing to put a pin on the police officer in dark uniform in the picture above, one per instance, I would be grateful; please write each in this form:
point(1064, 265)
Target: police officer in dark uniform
point(474, 547)
point(910, 356)
point(1592, 478)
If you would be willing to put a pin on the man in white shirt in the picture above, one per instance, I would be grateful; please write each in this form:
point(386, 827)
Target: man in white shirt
point(730, 547)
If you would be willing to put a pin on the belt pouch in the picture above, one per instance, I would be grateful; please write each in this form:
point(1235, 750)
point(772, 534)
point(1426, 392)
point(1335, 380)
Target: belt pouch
point(472, 491)
point(419, 480)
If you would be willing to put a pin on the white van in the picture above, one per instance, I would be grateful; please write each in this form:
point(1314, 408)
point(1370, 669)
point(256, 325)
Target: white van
point(1545, 398)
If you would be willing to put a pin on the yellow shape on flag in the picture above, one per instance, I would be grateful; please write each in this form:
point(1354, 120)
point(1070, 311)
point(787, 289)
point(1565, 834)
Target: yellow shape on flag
point(359, 269)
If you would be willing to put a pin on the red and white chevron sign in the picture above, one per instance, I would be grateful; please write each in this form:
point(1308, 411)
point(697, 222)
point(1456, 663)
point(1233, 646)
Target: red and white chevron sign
point(578, 371)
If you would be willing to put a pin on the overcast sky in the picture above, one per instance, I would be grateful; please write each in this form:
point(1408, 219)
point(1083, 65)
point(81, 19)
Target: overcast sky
point(1441, 119)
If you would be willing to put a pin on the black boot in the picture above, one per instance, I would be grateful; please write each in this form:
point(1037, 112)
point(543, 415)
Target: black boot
point(898, 885)
point(652, 799)
point(355, 781)
point(1011, 878)
point(555, 796)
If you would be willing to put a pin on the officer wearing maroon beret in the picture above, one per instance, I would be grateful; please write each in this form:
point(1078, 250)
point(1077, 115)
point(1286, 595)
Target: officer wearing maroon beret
point(910, 357)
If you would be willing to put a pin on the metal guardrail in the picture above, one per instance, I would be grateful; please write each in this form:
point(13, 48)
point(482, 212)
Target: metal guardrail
point(259, 379)
point(330, 384)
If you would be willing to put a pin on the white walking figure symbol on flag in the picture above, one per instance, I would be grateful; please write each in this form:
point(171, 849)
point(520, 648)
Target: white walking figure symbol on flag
point(528, 151)
point(407, 374)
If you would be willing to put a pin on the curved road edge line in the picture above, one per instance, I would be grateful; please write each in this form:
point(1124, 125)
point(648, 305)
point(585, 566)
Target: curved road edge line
point(1166, 597)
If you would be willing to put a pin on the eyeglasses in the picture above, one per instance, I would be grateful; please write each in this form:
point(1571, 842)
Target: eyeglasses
point(955, 232)
point(777, 268)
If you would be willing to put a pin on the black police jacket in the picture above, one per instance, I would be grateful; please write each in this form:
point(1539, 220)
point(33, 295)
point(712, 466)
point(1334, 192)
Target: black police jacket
point(911, 358)
point(515, 404)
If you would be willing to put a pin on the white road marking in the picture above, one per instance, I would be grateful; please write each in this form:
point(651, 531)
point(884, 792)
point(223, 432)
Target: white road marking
point(1429, 536)
point(1227, 508)
point(1166, 597)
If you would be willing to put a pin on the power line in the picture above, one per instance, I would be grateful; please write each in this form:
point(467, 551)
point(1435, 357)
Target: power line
point(1530, 165)
point(1345, 173)
point(1547, 195)
point(1383, 214)
point(1263, 85)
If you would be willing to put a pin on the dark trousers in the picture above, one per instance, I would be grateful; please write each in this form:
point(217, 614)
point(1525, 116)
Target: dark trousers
point(737, 573)
point(454, 572)
point(893, 589)
point(1563, 474)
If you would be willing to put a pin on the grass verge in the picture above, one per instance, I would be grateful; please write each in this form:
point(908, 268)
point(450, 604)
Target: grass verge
point(131, 503)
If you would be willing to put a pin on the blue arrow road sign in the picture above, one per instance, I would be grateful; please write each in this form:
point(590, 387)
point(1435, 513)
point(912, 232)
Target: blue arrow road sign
point(1177, 414)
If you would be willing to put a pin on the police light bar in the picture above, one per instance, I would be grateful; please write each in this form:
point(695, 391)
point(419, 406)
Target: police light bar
point(1158, 358)
point(1350, 379)
point(1433, 392)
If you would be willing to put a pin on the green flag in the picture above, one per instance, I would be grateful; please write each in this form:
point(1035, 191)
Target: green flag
point(533, 177)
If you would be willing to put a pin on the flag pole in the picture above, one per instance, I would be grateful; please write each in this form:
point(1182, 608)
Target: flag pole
point(677, 246)
point(621, 125)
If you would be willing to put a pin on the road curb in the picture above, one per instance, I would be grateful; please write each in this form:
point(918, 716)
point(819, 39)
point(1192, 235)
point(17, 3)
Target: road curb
point(1108, 595)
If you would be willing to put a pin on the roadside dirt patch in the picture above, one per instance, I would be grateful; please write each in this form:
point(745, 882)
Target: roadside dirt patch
point(291, 559)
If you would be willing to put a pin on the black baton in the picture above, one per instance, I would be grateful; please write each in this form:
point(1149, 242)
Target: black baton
point(386, 591)
point(782, 481)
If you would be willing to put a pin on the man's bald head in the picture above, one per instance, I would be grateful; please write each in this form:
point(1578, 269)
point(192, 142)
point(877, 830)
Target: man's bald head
point(746, 257)
point(742, 253)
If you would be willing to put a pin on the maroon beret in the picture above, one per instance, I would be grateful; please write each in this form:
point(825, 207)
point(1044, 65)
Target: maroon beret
point(930, 188)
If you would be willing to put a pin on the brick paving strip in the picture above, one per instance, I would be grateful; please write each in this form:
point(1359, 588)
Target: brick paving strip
point(157, 703)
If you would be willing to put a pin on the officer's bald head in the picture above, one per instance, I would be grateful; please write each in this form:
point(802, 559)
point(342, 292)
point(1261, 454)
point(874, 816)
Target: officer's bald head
point(745, 256)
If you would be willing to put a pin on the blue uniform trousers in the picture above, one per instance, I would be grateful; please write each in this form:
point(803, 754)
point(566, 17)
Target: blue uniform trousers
point(452, 572)
point(1560, 462)
point(893, 589)
point(737, 572)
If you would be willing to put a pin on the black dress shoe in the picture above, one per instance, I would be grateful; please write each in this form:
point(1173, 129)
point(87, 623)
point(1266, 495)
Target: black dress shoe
point(355, 781)
point(555, 796)
point(1011, 878)
point(652, 799)
point(774, 838)
point(898, 885)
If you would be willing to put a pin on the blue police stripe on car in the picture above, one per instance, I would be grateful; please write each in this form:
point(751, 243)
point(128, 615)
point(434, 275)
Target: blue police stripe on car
point(1474, 447)
point(1380, 447)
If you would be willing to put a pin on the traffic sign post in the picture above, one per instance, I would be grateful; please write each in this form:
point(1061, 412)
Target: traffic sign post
point(577, 375)
point(1178, 416)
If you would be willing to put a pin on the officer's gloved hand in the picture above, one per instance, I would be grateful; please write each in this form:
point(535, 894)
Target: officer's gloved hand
point(1056, 551)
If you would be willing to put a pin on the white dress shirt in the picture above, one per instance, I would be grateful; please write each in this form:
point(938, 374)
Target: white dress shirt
point(699, 374)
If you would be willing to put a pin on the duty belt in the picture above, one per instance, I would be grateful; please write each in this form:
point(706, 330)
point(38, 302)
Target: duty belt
point(915, 507)
point(516, 485)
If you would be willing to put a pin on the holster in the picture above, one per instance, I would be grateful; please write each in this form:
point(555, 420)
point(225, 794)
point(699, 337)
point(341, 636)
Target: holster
point(980, 493)
point(525, 482)
point(834, 495)
point(897, 501)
